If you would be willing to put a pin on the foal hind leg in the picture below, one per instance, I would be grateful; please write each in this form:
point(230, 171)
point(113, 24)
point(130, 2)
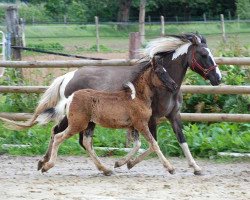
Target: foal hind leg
point(137, 145)
point(89, 132)
point(63, 124)
point(58, 139)
point(87, 143)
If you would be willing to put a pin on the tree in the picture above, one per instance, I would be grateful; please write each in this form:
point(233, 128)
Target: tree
point(243, 8)
point(123, 13)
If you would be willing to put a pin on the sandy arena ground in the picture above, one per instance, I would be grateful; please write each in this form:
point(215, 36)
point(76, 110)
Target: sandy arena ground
point(77, 178)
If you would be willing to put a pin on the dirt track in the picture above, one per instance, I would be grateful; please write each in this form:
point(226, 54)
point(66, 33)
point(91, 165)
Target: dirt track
point(77, 178)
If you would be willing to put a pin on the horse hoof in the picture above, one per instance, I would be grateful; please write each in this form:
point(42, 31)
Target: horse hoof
point(108, 173)
point(129, 165)
point(39, 165)
point(198, 173)
point(171, 171)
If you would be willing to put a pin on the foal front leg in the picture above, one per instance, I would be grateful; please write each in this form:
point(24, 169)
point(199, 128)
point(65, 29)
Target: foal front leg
point(175, 121)
point(137, 145)
point(155, 147)
point(87, 143)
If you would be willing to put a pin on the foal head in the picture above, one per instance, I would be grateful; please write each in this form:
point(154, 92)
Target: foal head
point(160, 77)
point(201, 60)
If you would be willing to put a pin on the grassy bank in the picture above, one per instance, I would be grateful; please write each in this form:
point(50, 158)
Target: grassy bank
point(205, 140)
point(81, 38)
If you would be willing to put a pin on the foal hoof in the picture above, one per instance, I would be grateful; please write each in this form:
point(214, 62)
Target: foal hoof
point(108, 173)
point(129, 164)
point(198, 173)
point(171, 171)
point(116, 164)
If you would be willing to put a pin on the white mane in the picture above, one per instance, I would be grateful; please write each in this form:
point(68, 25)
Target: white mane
point(162, 45)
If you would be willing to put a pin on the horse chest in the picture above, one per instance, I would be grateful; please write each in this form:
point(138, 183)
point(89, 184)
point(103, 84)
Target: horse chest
point(163, 103)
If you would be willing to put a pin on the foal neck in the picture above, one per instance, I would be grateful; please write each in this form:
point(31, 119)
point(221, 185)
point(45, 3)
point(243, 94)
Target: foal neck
point(143, 86)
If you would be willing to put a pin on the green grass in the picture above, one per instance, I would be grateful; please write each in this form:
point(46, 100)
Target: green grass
point(81, 38)
point(205, 140)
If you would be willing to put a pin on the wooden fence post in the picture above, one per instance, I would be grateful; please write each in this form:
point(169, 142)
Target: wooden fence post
point(142, 20)
point(97, 33)
point(238, 21)
point(162, 26)
point(229, 15)
point(223, 27)
point(14, 30)
point(22, 23)
point(134, 45)
point(176, 19)
point(65, 19)
point(204, 17)
point(149, 21)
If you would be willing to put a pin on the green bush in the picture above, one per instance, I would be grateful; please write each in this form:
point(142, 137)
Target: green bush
point(47, 46)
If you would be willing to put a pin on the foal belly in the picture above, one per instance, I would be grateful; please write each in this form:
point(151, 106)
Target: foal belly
point(112, 117)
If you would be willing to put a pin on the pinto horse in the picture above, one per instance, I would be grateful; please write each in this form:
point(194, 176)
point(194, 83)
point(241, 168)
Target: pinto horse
point(177, 53)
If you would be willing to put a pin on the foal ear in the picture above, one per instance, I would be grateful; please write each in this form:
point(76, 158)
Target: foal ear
point(154, 62)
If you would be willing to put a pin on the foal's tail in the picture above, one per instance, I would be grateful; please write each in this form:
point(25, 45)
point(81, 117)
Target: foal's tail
point(46, 104)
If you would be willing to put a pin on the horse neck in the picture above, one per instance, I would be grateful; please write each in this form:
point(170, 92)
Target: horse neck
point(177, 68)
point(143, 86)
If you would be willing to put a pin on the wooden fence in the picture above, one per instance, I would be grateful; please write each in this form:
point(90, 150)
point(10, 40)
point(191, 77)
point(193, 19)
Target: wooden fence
point(123, 62)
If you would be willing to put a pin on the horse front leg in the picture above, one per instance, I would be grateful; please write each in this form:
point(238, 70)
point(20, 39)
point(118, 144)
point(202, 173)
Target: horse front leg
point(175, 120)
point(137, 145)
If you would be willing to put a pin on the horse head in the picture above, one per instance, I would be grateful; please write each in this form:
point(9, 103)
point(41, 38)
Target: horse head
point(201, 60)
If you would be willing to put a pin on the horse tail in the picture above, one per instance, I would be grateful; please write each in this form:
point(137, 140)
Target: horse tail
point(46, 105)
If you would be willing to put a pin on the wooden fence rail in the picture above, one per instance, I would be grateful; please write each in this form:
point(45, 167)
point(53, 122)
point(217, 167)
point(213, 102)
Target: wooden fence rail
point(113, 62)
point(195, 89)
point(195, 117)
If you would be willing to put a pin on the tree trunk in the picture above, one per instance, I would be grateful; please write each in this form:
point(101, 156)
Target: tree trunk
point(123, 13)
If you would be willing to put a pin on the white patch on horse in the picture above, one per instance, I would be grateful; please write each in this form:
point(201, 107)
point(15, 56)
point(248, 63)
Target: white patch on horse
point(67, 78)
point(181, 50)
point(214, 63)
point(132, 88)
point(161, 45)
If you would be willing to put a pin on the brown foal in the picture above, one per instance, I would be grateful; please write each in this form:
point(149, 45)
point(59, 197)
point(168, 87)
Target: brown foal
point(115, 110)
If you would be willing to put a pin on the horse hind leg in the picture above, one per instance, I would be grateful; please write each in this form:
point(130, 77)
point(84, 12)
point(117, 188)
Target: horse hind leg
point(87, 143)
point(137, 145)
point(63, 124)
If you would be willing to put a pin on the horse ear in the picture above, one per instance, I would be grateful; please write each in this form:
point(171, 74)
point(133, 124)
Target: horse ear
point(195, 40)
